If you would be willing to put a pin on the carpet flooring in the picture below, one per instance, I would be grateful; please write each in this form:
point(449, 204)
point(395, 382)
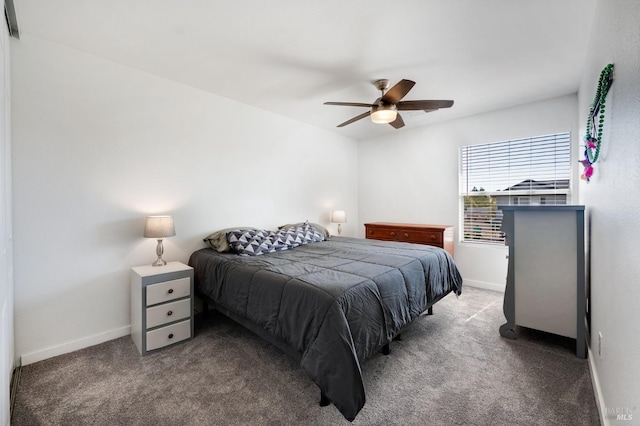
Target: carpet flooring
point(452, 368)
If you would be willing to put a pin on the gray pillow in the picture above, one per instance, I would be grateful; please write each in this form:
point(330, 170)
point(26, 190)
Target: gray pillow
point(319, 228)
point(218, 240)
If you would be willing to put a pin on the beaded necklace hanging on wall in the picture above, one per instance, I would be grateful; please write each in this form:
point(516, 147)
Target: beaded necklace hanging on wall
point(593, 137)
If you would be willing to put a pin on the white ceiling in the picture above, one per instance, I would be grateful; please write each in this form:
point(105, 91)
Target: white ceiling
point(289, 57)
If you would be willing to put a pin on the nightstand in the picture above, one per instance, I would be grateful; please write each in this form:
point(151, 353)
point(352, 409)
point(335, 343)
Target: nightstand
point(161, 305)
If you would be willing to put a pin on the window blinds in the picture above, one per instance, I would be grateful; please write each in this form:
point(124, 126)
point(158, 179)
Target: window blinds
point(534, 170)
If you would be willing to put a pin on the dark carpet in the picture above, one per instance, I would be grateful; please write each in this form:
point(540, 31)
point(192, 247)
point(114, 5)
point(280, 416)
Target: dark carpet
point(452, 368)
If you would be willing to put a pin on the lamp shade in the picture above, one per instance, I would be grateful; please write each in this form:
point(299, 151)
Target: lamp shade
point(159, 227)
point(338, 216)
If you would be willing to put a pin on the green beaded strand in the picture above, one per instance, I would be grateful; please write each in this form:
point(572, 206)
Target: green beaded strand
point(598, 107)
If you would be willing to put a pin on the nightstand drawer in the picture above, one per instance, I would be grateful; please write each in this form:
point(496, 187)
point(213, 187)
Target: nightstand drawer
point(168, 335)
point(168, 312)
point(168, 290)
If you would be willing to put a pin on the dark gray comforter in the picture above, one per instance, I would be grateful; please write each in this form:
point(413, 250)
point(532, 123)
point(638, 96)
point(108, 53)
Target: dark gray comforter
point(334, 302)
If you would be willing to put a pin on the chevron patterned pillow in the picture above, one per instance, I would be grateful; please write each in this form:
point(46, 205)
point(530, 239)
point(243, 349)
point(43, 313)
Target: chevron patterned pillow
point(260, 241)
point(254, 242)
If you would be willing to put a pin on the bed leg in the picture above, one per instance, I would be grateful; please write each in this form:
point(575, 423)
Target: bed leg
point(203, 306)
point(386, 349)
point(430, 310)
point(324, 401)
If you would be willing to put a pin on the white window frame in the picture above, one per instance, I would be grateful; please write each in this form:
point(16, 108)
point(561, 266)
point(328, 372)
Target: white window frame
point(534, 170)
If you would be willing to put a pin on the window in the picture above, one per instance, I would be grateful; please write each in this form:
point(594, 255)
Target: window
point(533, 171)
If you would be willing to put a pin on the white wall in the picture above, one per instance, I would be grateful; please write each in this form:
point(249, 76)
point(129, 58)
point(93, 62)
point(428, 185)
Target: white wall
point(6, 262)
point(98, 146)
point(613, 206)
point(412, 176)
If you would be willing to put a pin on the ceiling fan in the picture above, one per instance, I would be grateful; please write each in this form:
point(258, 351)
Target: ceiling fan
point(385, 108)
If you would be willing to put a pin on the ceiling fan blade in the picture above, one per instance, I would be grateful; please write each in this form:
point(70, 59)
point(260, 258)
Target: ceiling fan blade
point(426, 104)
point(354, 119)
point(398, 91)
point(358, 104)
point(398, 122)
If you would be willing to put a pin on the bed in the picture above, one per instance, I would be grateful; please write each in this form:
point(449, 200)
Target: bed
point(331, 304)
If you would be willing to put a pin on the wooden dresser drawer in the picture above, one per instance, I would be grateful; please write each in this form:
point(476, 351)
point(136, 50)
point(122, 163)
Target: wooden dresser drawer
point(168, 290)
point(168, 312)
point(389, 234)
point(165, 336)
point(434, 235)
point(421, 237)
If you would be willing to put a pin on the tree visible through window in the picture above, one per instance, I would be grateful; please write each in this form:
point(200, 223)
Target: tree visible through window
point(534, 170)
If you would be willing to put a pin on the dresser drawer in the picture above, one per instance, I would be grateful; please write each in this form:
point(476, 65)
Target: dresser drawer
point(168, 312)
point(168, 290)
point(422, 237)
point(168, 335)
point(384, 234)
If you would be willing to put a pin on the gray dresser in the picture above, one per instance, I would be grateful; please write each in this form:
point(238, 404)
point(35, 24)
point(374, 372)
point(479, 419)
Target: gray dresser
point(546, 274)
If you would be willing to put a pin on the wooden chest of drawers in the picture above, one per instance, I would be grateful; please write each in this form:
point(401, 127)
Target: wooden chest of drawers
point(433, 235)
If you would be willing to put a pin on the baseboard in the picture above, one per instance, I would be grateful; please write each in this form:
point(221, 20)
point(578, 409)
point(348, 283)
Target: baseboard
point(485, 285)
point(13, 388)
point(75, 345)
point(604, 421)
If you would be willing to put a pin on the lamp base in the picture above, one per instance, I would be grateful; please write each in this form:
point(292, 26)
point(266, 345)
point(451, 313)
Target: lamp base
point(159, 252)
point(159, 262)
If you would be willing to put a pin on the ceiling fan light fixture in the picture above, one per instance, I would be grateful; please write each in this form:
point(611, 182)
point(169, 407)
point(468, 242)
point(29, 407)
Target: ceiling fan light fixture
point(384, 114)
point(384, 110)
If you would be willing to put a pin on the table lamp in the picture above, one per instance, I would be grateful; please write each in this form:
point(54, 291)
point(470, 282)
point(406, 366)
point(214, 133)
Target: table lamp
point(159, 227)
point(339, 217)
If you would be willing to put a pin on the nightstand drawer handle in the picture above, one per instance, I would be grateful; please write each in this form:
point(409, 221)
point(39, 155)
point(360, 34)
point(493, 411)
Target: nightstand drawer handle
point(393, 234)
point(171, 336)
point(169, 313)
point(406, 235)
point(433, 237)
point(170, 291)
